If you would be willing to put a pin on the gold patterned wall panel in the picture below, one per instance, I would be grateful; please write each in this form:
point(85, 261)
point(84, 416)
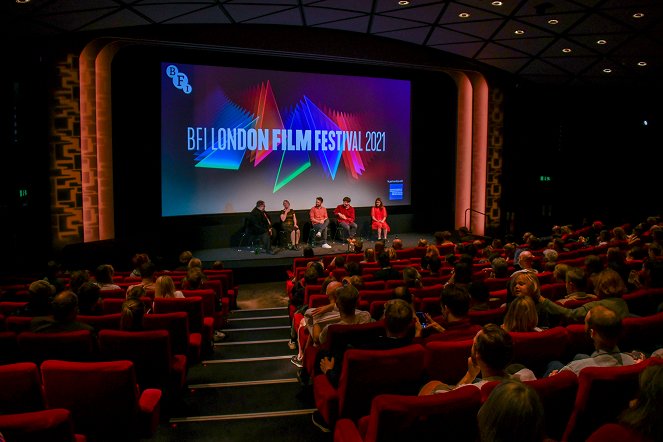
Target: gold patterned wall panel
point(494, 163)
point(65, 155)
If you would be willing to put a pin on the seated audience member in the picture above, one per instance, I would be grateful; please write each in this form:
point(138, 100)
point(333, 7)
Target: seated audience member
point(462, 274)
point(353, 268)
point(386, 272)
point(346, 302)
point(89, 299)
point(608, 287)
point(298, 290)
point(412, 278)
point(593, 266)
point(322, 316)
point(526, 261)
point(500, 268)
point(431, 260)
point(439, 238)
point(136, 292)
point(379, 248)
point(195, 262)
point(165, 288)
point(526, 283)
point(521, 316)
point(54, 276)
point(397, 244)
point(604, 327)
point(576, 284)
point(65, 310)
point(454, 323)
point(78, 278)
point(308, 252)
point(479, 296)
point(513, 412)
point(194, 280)
point(398, 323)
point(369, 255)
point(491, 353)
point(217, 265)
point(403, 292)
point(41, 295)
point(133, 311)
point(184, 259)
point(137, 261)
point(103, 276)
point(559, 274)
point(642, 420)
point(147, 271)
point(356, 245)
point(422, 242)
point(391, 253)
point(549, 260)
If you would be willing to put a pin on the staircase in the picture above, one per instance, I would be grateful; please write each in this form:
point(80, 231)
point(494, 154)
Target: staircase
point(247, 390)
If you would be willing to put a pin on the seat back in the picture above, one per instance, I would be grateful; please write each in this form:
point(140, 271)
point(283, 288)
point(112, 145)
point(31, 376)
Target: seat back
point(367, 373)
point(18, 324)
point(446, 361)
point(483, 317)
point(21, 388)
point(177, 325)
point(450, 417)
point(208, 299)
point(67, 346)
point(536, 349)
point(102, 396)
point(149, 351)
point(342, 336)
point(644, 334)
point(102, 322)
point(603, 393)
point(192, 306)
point(8, 347)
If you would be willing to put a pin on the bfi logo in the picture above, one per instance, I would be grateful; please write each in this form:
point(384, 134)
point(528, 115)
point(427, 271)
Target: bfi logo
point(180, 80)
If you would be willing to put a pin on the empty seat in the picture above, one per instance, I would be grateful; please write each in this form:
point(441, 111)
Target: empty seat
point(67, 346)
point(55, 425)
point(21, 388)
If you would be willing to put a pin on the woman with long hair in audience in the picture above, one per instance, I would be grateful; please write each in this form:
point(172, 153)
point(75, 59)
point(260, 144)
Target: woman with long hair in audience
point(133, 311)
point(431, 260)
point(521, 316)
point(412, 278)
point(165, 288)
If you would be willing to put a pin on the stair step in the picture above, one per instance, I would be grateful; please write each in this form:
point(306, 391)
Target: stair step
point(242, 371)
point(255, 349)
point(254, 313)
point(270, 321)
point(256, 334)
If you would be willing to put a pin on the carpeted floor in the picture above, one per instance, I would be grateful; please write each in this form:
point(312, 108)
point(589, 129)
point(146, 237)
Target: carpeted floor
point(262, 295)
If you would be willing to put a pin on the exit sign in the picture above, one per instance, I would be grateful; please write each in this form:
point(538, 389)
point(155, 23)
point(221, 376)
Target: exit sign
point(545, 179)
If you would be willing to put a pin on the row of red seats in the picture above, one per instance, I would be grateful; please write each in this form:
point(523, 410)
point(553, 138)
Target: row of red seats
point(57, 399)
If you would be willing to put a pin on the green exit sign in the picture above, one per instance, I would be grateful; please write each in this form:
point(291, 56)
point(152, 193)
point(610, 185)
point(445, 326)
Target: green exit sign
point(22, 193)
point(545, 179)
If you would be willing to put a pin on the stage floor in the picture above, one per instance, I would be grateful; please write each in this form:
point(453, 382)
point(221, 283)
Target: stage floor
point(245, 257)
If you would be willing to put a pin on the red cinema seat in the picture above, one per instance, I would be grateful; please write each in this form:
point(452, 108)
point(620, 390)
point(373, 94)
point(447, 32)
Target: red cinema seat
point(446, 361)
point(102, 322)
point(603, 393)
point(365, 374)
point(483, 317)
point(535, 350)
point(21, 388)
point(8, 347)
point(182, 341)
point(644, 334)
point(151, 354)
point(18, 324)
point(55, 425)
point(66, 346)
point(103, 398)
point(450, 417)
point(198, 323)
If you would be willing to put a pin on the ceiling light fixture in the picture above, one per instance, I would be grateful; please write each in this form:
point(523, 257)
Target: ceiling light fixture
point(464, 14)
point(553, 21)
point(601, 42)
point(607, 70)
point(403, 3)
point(566, 50)
point(519, 32)
point(638, 15)
point(22, 2)
point(496, 3)
point(642, 63)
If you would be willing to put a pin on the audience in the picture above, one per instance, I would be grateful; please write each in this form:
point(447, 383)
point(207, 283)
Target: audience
point(164, 287)
point(521, 316)
point(454, 323)
point(103, 276)
point(63, 319)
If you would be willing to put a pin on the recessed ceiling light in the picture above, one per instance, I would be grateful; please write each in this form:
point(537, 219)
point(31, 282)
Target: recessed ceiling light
point(607, 70)
point(638, 15)
point(464, 14)
point(22, 2)
point(553, 21)
point(519, 32)
point(642, 63)
point(496, 3)
point(601, 42)
point(566, 50)
point(403, 3)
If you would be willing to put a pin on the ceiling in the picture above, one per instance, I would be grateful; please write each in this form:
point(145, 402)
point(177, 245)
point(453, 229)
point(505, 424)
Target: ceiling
point(592, 41)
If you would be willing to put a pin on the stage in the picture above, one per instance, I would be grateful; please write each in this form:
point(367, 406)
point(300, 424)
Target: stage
point(246, 263)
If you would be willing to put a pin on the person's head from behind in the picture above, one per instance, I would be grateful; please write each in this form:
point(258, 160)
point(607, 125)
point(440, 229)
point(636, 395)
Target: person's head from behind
point(331, 289)
point(164, 287)
point(492, 347)
point(411, 277)
point(310, 275)
point(195, 278)
point(104, 274)
point(525, 283)
point(521, 315)
point(645, 411)
point(88, 297)
point(397, 244)
point(65, 306)
point(358, 245)
point(423, 242)
point(398, 316)
point(526, 260)
point(41, 291)
point(147, 270)
point(432, 251)
point(339, 261)
point(346, 300)
point(500, 268)
point(604, 327)
point(195, 262)
point(217, 265)
point(307, 252)
point(609, 284)
point(378, 247)
point(383, 260)
point(78, 278)
point(479, 292)
point(455, 300)
point(462, 273)
point(403, 292)
point(593, 264)
point(353, 268)
point(560, 272)
point(369, 255)
point(133, 311)
point(439, 237)
point(575, 280)
point(185, 257)
point(513, 412)
point(136, 292)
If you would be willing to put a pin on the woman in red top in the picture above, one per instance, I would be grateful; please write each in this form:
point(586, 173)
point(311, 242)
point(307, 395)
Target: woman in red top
point(379, 217)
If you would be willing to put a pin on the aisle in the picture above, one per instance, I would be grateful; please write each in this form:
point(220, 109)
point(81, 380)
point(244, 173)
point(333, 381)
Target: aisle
point(247, 390)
